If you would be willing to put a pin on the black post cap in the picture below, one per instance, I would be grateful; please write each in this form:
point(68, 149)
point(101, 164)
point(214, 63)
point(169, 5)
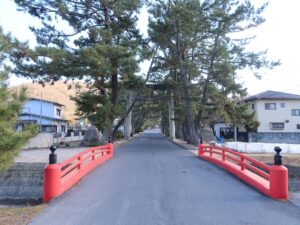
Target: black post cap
point(109, 139)
point(277, 157)
point(53, 148)
point(53, 156)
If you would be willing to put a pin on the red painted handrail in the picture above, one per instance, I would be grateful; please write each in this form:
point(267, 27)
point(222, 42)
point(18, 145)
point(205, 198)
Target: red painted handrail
point(60, 177)
point(271, 180)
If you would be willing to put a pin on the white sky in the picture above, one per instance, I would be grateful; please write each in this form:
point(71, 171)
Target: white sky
point(279, 34)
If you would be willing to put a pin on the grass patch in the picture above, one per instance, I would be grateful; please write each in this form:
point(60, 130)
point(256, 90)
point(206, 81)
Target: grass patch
point(19, 215)
point(291, 161)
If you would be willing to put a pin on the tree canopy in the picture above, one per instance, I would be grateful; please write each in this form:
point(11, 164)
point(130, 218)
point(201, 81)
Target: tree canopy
point(98, 43)
point(11, 140)
point(194, 50)
point(199, 55)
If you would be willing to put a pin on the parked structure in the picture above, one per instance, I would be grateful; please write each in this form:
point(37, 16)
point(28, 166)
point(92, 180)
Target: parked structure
point(279, 116)
point(47, 115)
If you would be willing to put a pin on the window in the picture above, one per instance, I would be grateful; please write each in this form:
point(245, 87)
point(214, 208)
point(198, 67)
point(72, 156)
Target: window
point(58, 112)
point(277, 126)
point(63, 128)
point(282, 105)
point(298, 126)
point(54, 129)
point(252, 106)
point(270, 106)
point(295, 112)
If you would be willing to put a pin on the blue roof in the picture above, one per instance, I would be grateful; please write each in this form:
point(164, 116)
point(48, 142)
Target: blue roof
point(44, 100)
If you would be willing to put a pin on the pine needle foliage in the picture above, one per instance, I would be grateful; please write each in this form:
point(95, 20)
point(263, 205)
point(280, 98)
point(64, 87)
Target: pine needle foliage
point(11, 140)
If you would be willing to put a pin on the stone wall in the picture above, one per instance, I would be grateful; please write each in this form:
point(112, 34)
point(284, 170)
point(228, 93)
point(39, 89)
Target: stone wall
point(23, 181)
point(289, 138)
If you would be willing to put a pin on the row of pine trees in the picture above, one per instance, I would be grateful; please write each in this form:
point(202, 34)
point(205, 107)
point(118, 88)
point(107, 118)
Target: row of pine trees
point(195, 49)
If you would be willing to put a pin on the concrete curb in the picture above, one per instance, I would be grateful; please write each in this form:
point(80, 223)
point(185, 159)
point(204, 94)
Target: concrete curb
point(125, 142)
point(183, 146)
point(294, 198)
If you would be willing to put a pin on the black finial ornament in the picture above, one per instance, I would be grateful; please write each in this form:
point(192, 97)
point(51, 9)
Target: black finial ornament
point(201, 140)
point(109, 139)
point(53, 156)
point(277, 157)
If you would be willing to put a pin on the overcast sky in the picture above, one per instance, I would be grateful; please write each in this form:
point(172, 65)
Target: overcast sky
point(279, 34)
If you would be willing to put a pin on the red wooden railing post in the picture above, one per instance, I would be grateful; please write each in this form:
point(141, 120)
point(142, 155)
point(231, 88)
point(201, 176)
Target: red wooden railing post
point(223, 154)
point(79, 164)
point(242, 163)
point(279, 182)
point(93, 155)
point(110, 146)
point(279, 178)
point(200, 149)
point(51, 177)
point(51, 182)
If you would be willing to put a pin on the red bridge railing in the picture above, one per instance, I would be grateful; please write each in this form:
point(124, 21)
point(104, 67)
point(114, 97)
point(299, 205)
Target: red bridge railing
point(271, 180)
point(60, 177)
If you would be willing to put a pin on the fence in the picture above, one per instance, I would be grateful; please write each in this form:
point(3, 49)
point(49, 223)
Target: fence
point(60, 177)
point(263, 147)
point(271, 180)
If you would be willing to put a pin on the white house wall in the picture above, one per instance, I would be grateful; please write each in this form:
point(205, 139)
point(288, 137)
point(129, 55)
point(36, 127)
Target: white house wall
point(54, 112)
point(280, 115)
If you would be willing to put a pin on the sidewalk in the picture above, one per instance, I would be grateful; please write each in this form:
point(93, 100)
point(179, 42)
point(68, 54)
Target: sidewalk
point(42, 155)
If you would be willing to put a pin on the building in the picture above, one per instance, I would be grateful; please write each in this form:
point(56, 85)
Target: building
point(279, 116)
point(47, 115)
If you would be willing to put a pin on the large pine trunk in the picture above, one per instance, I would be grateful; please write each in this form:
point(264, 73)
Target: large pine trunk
point(171, 117)
point(190, 131)
point(106, 136)
point(127, 125)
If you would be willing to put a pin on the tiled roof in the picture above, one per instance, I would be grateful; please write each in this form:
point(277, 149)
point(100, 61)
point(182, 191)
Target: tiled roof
point(272, 95)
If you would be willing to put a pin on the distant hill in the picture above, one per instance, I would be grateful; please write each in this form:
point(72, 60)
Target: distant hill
point(59, 92)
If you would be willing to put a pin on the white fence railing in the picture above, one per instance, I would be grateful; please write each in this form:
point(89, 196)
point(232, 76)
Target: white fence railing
point(263, 147)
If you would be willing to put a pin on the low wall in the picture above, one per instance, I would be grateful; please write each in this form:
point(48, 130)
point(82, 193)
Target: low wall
point(45, 140)
point(42, 140)
point(278, 137)
point(23, 181)
point(263, 147)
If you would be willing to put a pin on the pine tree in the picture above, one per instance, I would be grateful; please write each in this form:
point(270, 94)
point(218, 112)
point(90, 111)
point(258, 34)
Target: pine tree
point(11, 140)
point(100, 44)
point(200, 55)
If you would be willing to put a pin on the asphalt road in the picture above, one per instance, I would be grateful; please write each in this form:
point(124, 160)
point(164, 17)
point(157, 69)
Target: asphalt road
point(151, 181)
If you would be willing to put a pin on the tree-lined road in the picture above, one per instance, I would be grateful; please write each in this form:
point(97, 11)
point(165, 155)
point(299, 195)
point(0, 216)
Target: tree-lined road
point(151, 181)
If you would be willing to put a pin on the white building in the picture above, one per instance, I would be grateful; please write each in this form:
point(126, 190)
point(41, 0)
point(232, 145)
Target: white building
point(278, 114)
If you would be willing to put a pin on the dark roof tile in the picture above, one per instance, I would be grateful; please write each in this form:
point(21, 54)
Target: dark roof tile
point(272, 95)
